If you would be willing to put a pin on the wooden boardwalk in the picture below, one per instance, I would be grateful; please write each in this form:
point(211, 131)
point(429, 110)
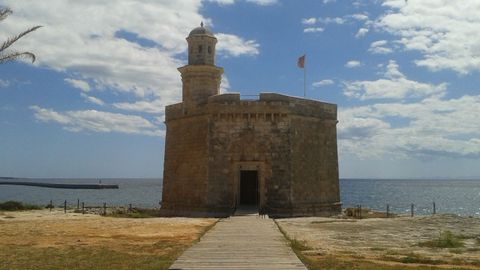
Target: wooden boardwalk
point(240, 242)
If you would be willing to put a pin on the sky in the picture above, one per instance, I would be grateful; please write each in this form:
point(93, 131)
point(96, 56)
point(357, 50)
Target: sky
point(404, 74)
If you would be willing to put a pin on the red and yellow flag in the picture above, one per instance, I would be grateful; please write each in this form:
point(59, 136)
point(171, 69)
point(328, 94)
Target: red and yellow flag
point(301, 61)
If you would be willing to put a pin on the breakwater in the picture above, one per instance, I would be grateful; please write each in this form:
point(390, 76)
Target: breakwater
point(62, 185)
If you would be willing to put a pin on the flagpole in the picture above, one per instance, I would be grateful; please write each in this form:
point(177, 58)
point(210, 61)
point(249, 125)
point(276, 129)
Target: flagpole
point(305, 81)
point(301, 64)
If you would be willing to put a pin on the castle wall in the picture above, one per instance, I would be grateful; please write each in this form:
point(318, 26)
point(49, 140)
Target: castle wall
point(249, 136)
point(186, 165)
point(291, 142)
point(314, 172)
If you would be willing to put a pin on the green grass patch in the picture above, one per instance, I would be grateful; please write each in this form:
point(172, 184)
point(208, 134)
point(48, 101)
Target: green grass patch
point(331, 262)
point(300, 245)
point(457, 250)
point(18, 206)
point(447, 239)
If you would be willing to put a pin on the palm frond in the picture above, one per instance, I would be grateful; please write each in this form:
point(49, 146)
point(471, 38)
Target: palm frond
point(16, 55)
point(4, 12)
point(12, 40)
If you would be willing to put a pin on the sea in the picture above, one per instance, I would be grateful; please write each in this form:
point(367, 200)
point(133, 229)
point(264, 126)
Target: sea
point(460, 197)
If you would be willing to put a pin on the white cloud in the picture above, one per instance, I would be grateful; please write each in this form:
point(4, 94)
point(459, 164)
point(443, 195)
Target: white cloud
point(309, 21)
point(236, 46)
point(46, 115)
point(444, 32)
point(334, 20)
point(433, 127)
point(393, 85)
point(361, 32)
point(329, 1)
point(92, 48)
point(350, 19)
point(98, 121)
point(377, 47)
point(313, 30)
point(263, 2)
point(223, 2)
point(224, 85)
point(80, 84)
point(360, 17)
point(95, 41)
point(102, 52)
point(353, 64)
point(257, 2)
point(155, 106)
point(93, 100)
point(4, 83)
point(323, 83)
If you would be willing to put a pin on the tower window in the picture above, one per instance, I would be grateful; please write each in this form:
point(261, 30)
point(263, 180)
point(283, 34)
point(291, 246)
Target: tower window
point(200, 48)
point(209, 50)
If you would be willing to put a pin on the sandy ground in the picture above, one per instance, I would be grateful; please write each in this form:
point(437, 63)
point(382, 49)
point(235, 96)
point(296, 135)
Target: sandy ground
point(42, 228)
point(388, 240)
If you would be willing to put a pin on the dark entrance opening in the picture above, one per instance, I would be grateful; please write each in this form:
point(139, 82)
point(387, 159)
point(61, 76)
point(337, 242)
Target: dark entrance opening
point(249, 188)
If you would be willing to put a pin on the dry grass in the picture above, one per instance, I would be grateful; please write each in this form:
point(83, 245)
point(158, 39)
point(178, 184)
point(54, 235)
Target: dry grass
point(386, 243)
point(334, 262)
point(54, 240)
point(28, 257)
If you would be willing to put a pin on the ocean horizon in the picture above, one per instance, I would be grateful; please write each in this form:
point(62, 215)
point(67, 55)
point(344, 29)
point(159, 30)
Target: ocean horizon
point(456, 196)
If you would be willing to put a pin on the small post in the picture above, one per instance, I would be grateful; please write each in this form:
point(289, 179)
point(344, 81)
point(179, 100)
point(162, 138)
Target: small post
point(50, 205)
point(388, 210)
point(129, 207)
point(104, 208)
point(78, 204)
point(434, 208)
point(83, 208)
point(65, 206)
point(360, 210)
point(411, 210)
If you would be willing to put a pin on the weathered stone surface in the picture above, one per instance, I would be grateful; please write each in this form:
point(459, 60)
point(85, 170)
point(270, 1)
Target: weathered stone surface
point(290, 142)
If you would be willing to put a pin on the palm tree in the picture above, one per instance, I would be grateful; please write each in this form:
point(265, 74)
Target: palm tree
point(6, 54)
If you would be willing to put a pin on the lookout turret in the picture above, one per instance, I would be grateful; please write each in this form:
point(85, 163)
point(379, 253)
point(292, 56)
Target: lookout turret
point(201, 78)
point(201, 46)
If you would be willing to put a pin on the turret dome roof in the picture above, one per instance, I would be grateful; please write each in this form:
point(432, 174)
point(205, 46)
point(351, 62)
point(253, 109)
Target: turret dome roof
point(201, 31)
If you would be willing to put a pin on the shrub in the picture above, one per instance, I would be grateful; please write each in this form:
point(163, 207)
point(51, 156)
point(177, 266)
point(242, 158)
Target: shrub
point(136, 213)
point(17, 206)
point(447, 239)
point(299, 245)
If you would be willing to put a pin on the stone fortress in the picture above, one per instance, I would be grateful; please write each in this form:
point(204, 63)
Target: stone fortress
point(277, 154)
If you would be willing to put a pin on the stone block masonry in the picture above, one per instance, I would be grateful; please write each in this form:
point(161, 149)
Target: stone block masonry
point(277, 154)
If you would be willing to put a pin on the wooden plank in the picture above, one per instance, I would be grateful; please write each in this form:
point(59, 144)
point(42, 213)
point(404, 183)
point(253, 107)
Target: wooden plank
point(240, 242)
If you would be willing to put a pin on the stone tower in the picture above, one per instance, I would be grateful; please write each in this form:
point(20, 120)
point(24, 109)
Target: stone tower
point(201, 78)
point(276, 154)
